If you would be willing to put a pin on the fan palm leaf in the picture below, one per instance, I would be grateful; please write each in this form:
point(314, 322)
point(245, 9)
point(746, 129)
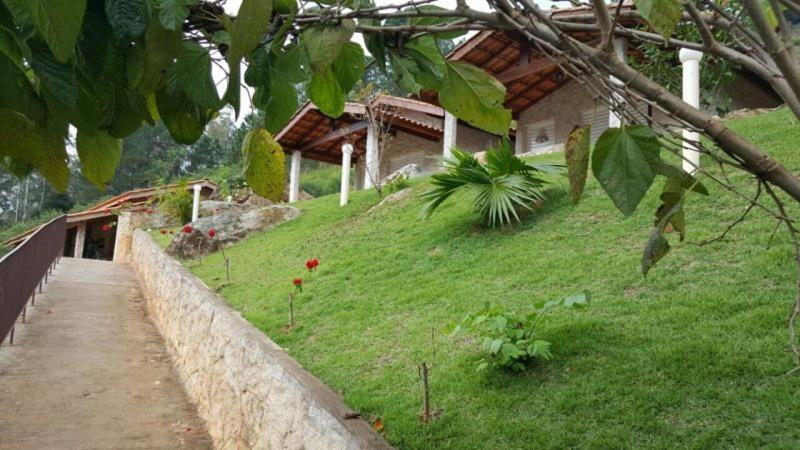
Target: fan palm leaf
point(498, 188)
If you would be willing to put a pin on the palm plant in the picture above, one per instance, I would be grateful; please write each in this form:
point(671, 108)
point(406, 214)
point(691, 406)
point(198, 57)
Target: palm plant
point(498, 188)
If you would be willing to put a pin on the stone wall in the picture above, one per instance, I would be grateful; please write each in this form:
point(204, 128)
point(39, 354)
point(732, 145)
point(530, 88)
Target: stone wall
point(251, 394)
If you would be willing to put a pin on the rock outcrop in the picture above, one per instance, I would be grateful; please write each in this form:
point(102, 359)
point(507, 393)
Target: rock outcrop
point(408, 171)
point(231, 225)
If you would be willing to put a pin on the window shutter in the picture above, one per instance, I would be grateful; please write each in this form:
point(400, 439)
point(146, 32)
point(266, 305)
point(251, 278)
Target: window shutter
point(600, 122)
point(541, 136)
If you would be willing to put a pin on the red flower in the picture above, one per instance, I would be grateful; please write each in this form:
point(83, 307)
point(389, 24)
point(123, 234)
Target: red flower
point(149, 210)
point(187, 229)
point(107, 211)
point(163, 231)
point(211, 233)
point(105, 227)
point(297, 282)
point(312, 264)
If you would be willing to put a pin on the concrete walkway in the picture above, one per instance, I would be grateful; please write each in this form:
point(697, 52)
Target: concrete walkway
point(89, 370)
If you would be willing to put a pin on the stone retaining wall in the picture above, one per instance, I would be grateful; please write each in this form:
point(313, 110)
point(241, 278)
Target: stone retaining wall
point(248, 390)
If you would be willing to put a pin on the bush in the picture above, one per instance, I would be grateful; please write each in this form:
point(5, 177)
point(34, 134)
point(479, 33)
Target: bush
point(177, 203)
point(510, 339)
point(323, 181)
point(264, 167)
point(398, 184)
point(498, 187)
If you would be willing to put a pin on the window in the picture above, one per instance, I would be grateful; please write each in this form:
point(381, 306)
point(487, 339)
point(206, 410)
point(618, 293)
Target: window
point(541, 136)
point(399, 161)
point(600, 122)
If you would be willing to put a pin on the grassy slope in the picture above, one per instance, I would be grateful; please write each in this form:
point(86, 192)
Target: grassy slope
point(694, 355)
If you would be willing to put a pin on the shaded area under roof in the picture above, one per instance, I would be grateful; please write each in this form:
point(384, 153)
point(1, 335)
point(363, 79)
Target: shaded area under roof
point(320, 137)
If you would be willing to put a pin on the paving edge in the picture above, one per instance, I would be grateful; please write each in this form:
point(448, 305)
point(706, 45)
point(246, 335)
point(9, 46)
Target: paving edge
point(250, 393)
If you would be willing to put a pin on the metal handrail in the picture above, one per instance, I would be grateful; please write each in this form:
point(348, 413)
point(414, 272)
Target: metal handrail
point(26, 267)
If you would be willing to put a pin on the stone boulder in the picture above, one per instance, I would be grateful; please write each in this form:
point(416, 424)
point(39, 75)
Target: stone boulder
point(396, 197)
point(231, 225)
point(193, 245)
point(211, 207)
point(408, 171)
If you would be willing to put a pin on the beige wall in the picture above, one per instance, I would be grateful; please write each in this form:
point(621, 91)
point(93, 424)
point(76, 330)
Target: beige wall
point(405, 144)
point(251, 394)
point(472, 140)
point(564, 106)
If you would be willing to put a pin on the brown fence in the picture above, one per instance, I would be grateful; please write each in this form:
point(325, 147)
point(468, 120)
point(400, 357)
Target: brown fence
point(24, 268)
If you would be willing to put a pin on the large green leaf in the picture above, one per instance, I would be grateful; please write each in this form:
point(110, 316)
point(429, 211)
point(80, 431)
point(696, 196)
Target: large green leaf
point(576, 152)
point(662, 15)
point(233, 94)
point(184, 118)
point(323, 43)
point(404, 70)
point(327, 95)
point(160, 48)
point(281, 103)
point(172, 13)
point(474, 96)
point(58, 85)
point(656, 248)
point(620, 163)
point(289, 61)
point(193, 69)
point(349, 66)
point(130, 109)
point(670, 212)
point(23, 140)
point(95, 104)
point(429, 60)
point(59, 23)
point(17, 92)
point(99, 154)
point(17, 167)
point(252, 22)
point(128, 18)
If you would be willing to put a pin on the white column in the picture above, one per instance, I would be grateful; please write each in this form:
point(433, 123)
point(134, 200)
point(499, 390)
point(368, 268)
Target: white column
point(621, 49)
point(196, 202)
point(450, 132)
point(294, 177)
point(360, 174)
point(80, 238)
point(690, 60)
point(372, 162)
point(344, 192)
point(124, 239)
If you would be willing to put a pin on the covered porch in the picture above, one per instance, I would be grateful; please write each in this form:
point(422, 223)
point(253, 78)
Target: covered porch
point(376, 139)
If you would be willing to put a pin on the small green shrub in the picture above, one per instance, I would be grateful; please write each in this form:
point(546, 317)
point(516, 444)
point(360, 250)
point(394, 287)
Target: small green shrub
point(398, 184)
point(498, 187)
point(509, 339)
point(177, 203)
point(264, 167)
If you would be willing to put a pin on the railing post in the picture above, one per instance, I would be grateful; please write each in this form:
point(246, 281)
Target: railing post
point(40, 286)
point(11, 338)
point(33, 298)
point(24, 310)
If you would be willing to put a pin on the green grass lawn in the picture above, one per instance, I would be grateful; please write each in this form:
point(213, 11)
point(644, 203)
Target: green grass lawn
point(694, 355)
